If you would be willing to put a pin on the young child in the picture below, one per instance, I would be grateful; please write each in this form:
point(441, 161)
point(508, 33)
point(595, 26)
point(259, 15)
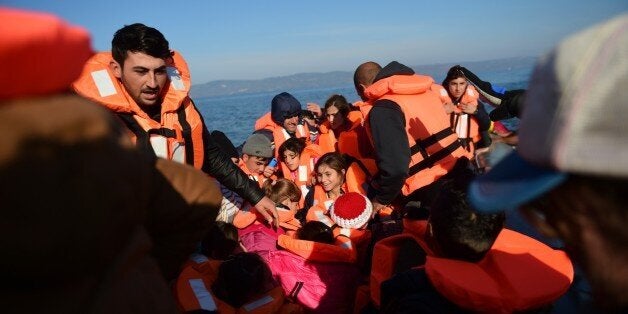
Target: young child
point(334, 177)
point(297, 163)
point(316, 269)
point(256, 154)
point(257, 236)
point(466, 261)
point(350, 214)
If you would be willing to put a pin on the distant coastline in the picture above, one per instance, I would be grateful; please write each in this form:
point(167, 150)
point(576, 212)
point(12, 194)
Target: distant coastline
point(492, 70)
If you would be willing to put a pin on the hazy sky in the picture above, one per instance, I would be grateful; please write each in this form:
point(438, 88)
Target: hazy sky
point(239, 39)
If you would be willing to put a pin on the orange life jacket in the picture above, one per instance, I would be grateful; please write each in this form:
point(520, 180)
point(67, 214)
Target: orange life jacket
point(355, 143)
point(518, 273)
point(360, 238)
point(280, 134)
point(302, 177)
point(466, 125)
point(341, 251)
point(434, 146)
point(326, 138)
point(365, 108)
point(179, 134)
point(192, 291)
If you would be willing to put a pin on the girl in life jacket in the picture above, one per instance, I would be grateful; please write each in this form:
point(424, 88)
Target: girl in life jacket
point(344, 132)
point(468, 117)
point(316, 269)
point(297, 163)
point(257, 236)
point(334, 177)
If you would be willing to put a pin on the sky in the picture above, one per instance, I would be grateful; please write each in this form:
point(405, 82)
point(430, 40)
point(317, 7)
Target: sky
point(240, 39)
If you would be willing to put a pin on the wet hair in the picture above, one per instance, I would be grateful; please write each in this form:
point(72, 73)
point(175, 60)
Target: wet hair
point(459, 231)
point(332, 160)
point(282, 189)
point(340, 102)
point(316, 231)
point(241, 278)
point(292, 144)
point(220, 240)
point(139, 38)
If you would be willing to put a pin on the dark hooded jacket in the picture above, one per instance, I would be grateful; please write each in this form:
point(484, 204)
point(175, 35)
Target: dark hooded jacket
point(387, 123)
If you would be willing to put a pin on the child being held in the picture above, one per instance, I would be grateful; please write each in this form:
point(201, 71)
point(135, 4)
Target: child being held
point(316, 269)
point(255, 235)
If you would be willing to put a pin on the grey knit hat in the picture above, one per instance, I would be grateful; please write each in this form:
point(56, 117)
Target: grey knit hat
point(258, 145)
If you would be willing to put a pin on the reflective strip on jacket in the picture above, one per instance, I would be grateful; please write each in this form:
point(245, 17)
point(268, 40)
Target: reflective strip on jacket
point(466, 125)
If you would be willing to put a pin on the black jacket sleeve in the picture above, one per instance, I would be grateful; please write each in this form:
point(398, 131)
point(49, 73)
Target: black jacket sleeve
point(484, 124)
point(219, 166)
point(391, 146)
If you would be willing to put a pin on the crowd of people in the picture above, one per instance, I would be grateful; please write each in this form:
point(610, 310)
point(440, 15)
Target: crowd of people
point(118, 198)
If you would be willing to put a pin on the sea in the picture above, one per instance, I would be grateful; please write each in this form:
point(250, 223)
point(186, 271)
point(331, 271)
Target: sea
point(235, 115)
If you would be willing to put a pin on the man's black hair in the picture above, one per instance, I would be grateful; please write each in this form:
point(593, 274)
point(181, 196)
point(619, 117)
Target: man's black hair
point(139, 38)
point(459, 231)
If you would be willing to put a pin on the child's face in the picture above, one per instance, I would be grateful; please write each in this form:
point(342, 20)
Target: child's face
point(292, 205)
point(291, 159)
point(329, 178)
point(255, 164)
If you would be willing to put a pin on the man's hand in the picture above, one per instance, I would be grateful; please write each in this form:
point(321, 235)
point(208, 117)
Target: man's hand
point(266, 207)
point(315, 109)
point(449, 107)
point(470, 108)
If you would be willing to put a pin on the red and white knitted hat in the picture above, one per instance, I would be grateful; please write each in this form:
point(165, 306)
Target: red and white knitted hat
point(351, 210)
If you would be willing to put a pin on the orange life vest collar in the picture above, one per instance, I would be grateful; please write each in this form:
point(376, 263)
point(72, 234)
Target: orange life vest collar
point(341, 251)
point(105, 88)
point(177, 136)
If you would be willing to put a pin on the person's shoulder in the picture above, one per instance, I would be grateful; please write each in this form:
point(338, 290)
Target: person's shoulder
point(383, 104)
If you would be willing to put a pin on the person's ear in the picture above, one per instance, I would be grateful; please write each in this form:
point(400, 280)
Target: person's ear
point(344, 172)
point(115, 68)
point(245, 157)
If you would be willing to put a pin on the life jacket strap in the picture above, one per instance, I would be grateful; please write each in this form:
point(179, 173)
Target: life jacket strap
point(431, 160)
point(292, 296)
point(187, 133)
point(422, 145)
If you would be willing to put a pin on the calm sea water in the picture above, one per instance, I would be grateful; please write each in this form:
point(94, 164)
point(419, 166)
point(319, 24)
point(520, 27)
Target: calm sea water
point(236, 115)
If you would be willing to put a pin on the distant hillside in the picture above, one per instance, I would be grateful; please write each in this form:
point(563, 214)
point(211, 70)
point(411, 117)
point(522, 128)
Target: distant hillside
point(303, 81)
